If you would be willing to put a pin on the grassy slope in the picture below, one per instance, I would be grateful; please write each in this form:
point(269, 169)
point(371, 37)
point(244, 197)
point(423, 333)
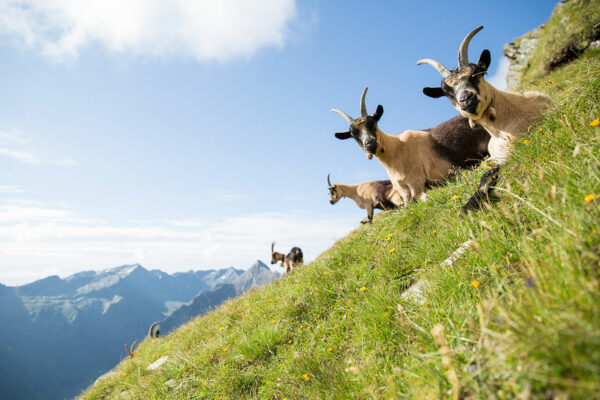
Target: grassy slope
point(529, 330)
point(572, 28)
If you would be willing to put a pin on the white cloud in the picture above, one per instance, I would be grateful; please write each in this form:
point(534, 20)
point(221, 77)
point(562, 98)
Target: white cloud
point(11, 189)
point(36, 239)
point(16, 146)
point(199, 29)
point(498, 80)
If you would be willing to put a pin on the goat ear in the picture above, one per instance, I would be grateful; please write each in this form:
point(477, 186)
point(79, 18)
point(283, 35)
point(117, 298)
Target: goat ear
point(378, 113)
point(343, 135)
point(434, 92)
point(484, 60)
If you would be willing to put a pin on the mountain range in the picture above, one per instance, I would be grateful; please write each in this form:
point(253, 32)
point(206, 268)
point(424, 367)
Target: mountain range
point(58, 335)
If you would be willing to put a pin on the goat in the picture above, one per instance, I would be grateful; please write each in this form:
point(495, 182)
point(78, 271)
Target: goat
point(369, 195)
point(290, 261)
point(131, 351)
point(505, 115)
point(417, 158)
point(153, 332)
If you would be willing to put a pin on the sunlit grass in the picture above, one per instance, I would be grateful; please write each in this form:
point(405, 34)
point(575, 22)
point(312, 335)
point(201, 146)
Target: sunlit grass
point(517, 316)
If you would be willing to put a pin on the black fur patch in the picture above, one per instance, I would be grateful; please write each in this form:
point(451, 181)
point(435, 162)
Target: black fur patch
point(381, 201)
point(458, 143)
point(296, 255)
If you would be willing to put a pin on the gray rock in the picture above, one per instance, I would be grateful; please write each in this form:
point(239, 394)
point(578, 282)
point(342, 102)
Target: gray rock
point(518, 56)
point(594, 45)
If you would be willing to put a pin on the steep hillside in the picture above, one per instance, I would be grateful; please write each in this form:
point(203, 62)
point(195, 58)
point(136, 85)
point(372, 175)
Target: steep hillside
point(516, 316)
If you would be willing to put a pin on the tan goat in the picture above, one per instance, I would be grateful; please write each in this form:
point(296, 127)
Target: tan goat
point(367, 195)
point(505, 115)
point(415, 159)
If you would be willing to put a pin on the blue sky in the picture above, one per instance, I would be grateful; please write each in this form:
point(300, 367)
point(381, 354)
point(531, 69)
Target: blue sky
point(191, 134)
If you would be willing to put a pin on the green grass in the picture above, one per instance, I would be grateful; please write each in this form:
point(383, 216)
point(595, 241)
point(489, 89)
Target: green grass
point(338, 328)
point(573, 27)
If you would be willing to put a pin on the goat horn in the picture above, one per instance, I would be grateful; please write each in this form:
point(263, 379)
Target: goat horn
point(348, 118)
point(272, 248)
point(440, 68)
point(328, 181)
point(463, 52)
point(363, 107)
point(151, 332)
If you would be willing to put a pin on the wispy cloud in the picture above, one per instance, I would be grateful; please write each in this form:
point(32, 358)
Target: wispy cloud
point(35, 239)
point(11, 189)
point(200, 29)
point(15, 145)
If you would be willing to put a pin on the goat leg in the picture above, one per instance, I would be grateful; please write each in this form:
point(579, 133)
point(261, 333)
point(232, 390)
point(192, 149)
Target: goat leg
point(483, 192)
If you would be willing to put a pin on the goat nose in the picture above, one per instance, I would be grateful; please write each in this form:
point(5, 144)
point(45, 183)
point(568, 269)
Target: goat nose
point(466, 97)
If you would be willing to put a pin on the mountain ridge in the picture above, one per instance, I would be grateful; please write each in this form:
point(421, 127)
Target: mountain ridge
point(61, 333)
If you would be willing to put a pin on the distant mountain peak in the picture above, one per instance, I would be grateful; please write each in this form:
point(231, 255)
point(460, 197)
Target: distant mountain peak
point(259, 265)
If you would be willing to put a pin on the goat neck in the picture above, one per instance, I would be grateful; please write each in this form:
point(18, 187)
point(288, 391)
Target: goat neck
point(512, 113)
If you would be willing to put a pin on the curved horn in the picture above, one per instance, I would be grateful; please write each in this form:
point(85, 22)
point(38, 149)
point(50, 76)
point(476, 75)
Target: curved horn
point(348, 118)
point(151, 331)
point(272, 248)
point(328, 181)
point(440, 68)
point(363, 107)
point(463, 51)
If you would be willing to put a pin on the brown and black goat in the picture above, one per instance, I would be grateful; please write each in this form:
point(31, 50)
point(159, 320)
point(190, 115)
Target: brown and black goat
point(290, 261)
point(367, 195)
point(505, 115)
point(415, 159)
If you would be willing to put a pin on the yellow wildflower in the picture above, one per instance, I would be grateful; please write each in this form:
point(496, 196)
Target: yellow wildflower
point(273, 321)
point(434, 231)
point(308, 327)
point(306, 377)
point(290, 341)
point(475, 283)
point(595, 122)
point(221, 328)
point(124, 373)
point(526, 141)
point(270, 300)
point(247, 304)
point(455, 197)
point(325, 273)
point(301, 326)
point(392, 250)
point(245, 315)
point(225, 349)
point(362, 289)
point(330, 349)
point(589, 198)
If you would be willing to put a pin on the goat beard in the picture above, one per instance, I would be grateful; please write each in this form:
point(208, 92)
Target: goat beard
point(369, 156)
